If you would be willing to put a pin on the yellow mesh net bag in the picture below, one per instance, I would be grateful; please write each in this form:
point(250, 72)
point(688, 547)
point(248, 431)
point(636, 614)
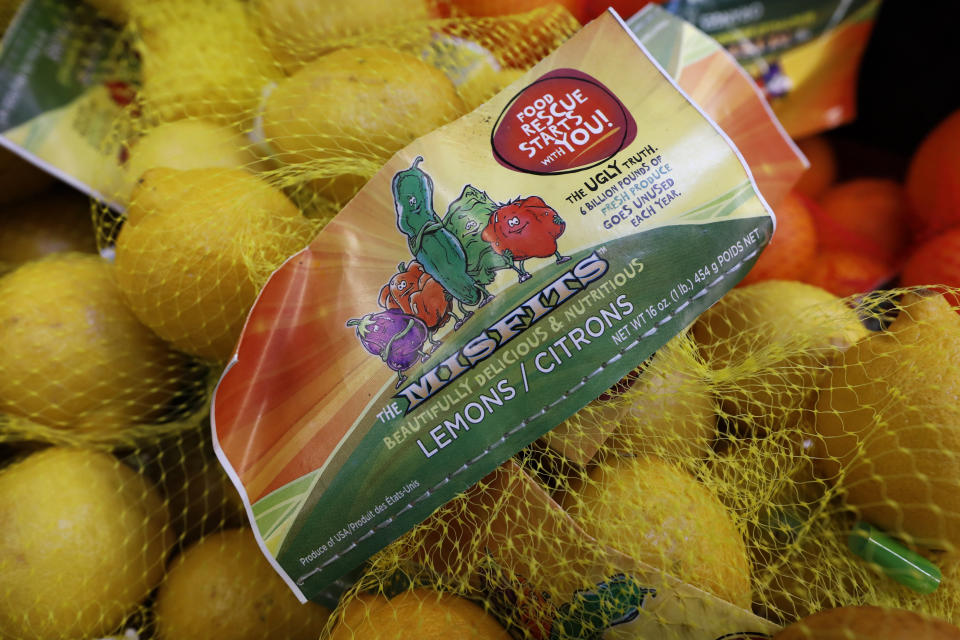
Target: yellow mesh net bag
point(777, 458)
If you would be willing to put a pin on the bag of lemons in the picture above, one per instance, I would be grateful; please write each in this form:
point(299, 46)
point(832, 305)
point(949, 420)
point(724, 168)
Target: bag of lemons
point(747, 465)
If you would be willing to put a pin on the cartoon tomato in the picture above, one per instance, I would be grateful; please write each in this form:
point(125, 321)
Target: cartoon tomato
point(416, 293)
point(525, 228)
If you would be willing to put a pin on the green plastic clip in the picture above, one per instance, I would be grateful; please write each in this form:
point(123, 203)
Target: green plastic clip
point(895, 560)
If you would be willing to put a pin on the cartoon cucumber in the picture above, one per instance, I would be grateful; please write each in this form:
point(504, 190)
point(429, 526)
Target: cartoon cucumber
point(394, 336)
point(466, 218)
point(436, 249)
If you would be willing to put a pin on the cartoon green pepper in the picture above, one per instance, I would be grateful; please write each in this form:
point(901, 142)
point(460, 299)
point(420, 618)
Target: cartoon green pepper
point(466, 218)
point(436, 249)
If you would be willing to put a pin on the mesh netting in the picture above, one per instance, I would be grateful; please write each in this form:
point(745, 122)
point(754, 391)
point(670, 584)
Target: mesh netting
point(757, 457)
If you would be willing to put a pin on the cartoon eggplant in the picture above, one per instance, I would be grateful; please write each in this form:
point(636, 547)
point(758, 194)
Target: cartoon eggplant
point(438, 250)
point(525, 228)
point(394, 336)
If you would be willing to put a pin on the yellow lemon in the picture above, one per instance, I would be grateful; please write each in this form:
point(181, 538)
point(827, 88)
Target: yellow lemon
point(766, 343)
point(418, 614)
point(83, 540)
point(201, 59)
point(315, 116)
point(890, 425)
point(223, 587)
point(484, 83)
point(665, 407)
point(659, 514)
point(297, 31)
point(187, 144)
point(196, 247)
point(672, 411)
point(73, 356)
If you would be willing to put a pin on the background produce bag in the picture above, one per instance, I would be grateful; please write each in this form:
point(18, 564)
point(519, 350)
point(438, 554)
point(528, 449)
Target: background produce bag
point(804, 55)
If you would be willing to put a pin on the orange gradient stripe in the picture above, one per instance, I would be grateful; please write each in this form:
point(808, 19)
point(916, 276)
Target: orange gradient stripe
point(731, 99)
point(298, 366)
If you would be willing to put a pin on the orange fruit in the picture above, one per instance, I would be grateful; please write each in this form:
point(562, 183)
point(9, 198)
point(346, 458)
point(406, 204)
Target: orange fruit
point(867, 215)
point(933, 179)
point(421, 614)
point(223, 587)
point(846, 273)
point(823, 166)
point(937, 261)
point(794, 243)
point(868, 622)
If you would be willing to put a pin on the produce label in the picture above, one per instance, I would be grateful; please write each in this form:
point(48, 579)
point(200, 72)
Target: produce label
point(497, 275)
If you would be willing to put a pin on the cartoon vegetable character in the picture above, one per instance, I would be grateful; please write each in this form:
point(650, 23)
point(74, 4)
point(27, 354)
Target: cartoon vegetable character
point(417, 294)
point(438, 250)
point(525, 228)
point(394, 336)
point(466, 218)
point(590, 612)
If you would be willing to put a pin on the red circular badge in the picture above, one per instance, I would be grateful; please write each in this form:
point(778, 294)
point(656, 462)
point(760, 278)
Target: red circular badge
point(566, 121)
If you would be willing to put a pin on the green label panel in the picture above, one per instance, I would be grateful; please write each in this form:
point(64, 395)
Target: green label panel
point(614, 305)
